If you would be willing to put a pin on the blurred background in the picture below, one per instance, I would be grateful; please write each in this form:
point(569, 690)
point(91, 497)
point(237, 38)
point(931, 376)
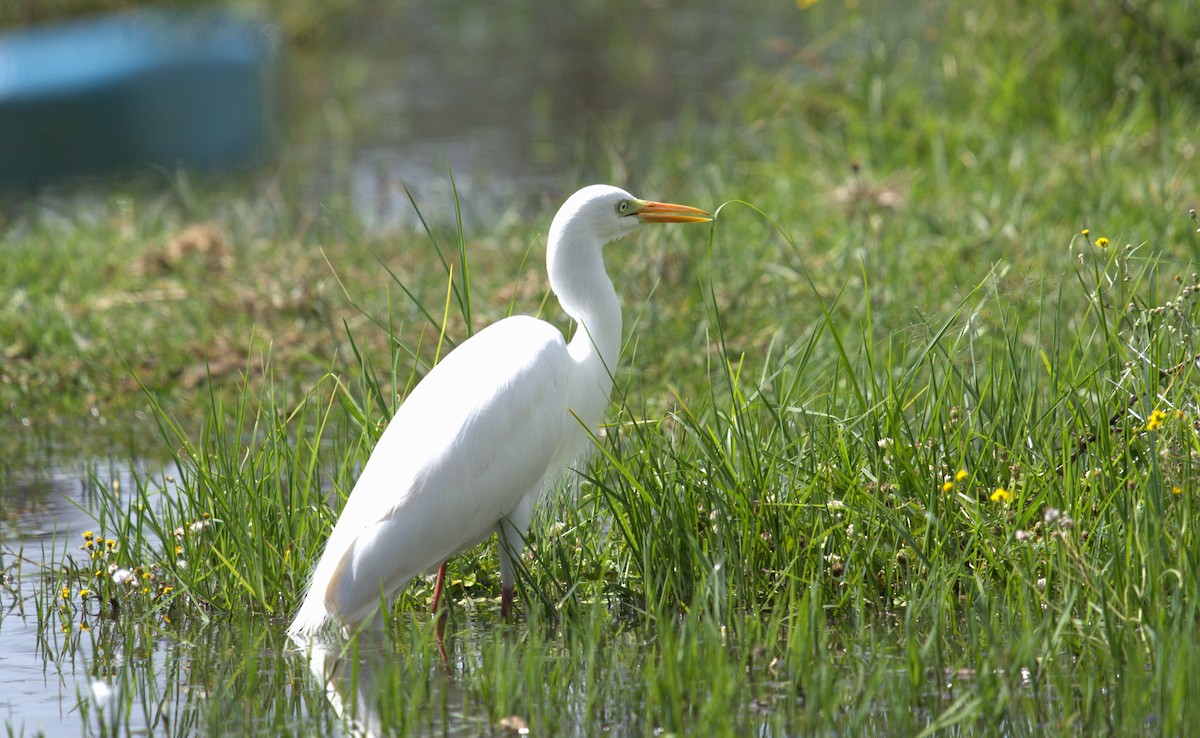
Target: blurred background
point(367, 98)
point(287, 142)
point(220, 165)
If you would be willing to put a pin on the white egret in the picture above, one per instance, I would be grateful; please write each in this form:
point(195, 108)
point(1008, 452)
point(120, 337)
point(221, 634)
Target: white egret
point(493, 424)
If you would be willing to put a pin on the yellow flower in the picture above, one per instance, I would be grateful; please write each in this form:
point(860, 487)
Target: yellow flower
point(948, 487)
point(167, 589)
point(1102, 243)
point(110, 543)
point(83, 593)
point(88, 535)
point(1001, 495)
point(961, 476)
point(1085, 233)
point(66, 593)
point(84, 626)
point(1176, 490)
point(1156, 420)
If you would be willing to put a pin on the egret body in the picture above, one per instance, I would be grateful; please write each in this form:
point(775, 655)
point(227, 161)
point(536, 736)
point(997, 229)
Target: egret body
point(496, 421)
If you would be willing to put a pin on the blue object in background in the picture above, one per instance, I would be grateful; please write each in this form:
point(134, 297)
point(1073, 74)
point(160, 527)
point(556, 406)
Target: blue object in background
point(193, 89)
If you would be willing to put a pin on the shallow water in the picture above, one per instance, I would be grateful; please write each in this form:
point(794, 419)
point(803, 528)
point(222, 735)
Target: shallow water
point(238, 674)
point(48, 513)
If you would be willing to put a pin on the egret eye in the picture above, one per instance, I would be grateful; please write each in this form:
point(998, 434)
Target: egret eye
point(623, 207)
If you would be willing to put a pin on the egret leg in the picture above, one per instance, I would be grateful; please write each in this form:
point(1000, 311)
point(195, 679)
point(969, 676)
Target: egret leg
point(440, 634)
point(507, 574)
point(506, 602)
point(511, 532)
point(437, 587)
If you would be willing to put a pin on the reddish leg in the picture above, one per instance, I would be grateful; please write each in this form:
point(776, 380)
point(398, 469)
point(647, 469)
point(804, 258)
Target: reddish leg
point(437, 587)
point(506, 602)
point(441, 645)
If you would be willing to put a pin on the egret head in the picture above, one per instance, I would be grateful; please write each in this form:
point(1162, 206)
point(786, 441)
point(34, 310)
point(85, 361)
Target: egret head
point(601, 213)
point(587, 220)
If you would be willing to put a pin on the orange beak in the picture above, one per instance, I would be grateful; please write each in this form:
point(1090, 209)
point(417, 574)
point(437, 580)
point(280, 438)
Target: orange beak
point(649, 211)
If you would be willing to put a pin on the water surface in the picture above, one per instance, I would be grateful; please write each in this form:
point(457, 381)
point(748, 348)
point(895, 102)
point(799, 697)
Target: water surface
point(520, 100)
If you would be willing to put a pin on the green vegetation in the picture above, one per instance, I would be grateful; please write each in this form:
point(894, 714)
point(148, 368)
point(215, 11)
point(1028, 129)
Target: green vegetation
point(909, 448)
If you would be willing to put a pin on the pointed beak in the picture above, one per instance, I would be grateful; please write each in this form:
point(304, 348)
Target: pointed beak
point(649, 211)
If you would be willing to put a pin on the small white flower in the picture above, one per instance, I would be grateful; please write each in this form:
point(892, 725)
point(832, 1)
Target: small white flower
point(200, 525)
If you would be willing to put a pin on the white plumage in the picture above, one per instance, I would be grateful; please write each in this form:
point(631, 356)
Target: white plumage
point(493, 424)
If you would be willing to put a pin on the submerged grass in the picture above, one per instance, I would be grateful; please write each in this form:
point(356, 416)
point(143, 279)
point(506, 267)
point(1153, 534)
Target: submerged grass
point(922, 465)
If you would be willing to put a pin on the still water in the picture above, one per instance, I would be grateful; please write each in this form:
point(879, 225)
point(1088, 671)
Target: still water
point(521, 100)
point(516, 100)
point(43, 674)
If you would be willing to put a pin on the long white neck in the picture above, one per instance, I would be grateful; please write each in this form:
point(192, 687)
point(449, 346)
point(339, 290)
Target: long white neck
point(576, 269)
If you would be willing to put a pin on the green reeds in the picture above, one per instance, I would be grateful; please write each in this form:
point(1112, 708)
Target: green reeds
point(859, 531)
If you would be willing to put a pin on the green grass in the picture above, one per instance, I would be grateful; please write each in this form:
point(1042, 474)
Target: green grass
point(896, 447)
